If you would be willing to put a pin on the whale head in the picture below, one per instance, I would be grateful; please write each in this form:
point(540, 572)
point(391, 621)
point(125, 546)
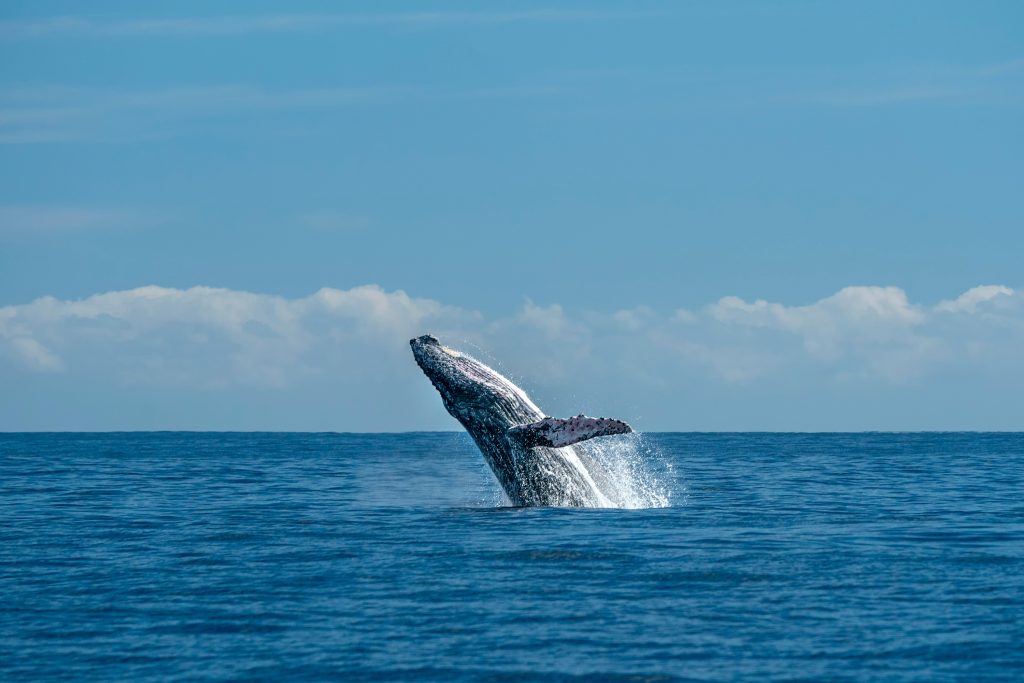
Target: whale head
point(474, 394)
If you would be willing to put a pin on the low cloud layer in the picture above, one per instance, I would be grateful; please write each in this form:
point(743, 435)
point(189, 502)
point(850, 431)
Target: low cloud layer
point(338, 359)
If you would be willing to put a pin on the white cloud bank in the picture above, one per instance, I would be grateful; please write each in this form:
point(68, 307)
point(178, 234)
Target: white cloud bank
point(349, 348)
point(207, 337)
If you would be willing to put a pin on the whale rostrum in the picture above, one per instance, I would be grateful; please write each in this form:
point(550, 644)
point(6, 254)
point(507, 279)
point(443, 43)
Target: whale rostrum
point(533, 456)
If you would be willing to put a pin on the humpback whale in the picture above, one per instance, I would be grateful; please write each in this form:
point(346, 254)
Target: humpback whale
point(532, 455)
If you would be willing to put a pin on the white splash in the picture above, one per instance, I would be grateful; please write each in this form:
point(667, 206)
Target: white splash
point(630, 471)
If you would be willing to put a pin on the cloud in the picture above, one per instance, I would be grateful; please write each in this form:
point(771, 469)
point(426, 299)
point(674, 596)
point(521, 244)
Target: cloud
point(332, 220)
point(73, 26)
point(61, 114)
point(215, 337)
point(892, 95)
point(34, 354)
point(852, 319)
point(969, 301)
point(41, 219)
point(46, 114)
point(352, 344)
point(996, 83)
point(260, 336)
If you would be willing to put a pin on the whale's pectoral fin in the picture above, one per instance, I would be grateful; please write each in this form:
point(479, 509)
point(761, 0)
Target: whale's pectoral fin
point(555, 433)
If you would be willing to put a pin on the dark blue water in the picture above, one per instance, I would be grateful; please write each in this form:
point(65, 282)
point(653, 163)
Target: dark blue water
point(170, 556)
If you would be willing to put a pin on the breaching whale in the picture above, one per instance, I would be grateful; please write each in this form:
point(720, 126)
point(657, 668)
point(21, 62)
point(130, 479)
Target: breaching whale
point(532, 455)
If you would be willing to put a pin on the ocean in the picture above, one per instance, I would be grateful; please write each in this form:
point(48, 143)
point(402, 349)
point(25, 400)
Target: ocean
point(390, 557)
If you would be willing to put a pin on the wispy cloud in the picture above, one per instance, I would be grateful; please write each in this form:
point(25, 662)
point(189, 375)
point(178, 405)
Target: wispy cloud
point(998, 68)
point(997, 82)
point(283, 23)
point(29, 219)
point(67, 113)
point(56, 113)
point(333, 220)
point(884, 96)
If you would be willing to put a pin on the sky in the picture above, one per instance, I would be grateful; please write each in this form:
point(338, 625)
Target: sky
point(688, 215)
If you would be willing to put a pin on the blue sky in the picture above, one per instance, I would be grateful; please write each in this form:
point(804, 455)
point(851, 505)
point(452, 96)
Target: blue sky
point(575, 190)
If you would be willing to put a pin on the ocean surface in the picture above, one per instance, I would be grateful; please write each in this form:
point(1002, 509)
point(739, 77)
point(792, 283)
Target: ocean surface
point(280, 557)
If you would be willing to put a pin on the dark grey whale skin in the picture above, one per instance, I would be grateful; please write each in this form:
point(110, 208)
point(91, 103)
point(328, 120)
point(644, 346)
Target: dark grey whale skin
point(488, 405)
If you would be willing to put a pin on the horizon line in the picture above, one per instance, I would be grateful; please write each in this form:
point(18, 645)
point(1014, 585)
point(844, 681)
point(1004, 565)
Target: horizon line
point(454, 431)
